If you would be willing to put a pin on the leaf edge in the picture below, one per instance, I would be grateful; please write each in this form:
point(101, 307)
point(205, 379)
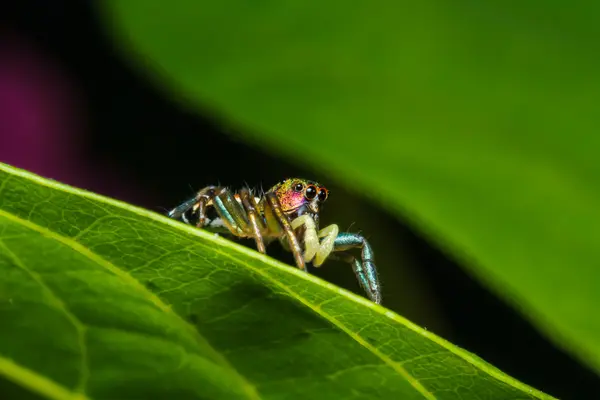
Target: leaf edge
point(263, 258)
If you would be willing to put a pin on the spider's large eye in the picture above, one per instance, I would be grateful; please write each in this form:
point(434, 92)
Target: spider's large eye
point(322, 194)
point(298, 187)
point(311, 192)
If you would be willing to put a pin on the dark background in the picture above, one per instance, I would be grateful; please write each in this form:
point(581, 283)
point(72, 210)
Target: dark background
point(72, 109)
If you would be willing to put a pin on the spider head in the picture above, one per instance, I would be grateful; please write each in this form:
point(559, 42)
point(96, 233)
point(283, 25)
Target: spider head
point(300, 196)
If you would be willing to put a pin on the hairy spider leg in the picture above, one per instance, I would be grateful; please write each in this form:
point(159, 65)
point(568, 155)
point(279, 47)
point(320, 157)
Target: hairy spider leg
point(243, 219)
point(231, 213)
point(312, 247)
point(256, 221)
point(203, 196)
point(197, 204)
point(365, 269)
point(277, 220)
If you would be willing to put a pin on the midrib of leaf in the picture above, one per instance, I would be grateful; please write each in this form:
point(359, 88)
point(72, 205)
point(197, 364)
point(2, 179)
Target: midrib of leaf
point(236, 248)
point(248, 387)
point(36, 382)
point(397, 366)
point(391, 363)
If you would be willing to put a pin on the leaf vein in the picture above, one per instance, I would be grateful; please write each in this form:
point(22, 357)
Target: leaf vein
point(185, 231)
point(78, 247)
point(60, 305)
point(359, 339)
point(36, 382)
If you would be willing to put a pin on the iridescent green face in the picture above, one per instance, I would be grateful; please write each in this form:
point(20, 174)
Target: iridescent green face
point(300, 195)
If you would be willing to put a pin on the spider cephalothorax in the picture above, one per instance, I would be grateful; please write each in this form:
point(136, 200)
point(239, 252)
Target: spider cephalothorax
point(289, 211)
point(299, 197)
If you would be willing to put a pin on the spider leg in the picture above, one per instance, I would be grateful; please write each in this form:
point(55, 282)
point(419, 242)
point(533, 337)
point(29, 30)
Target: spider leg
point(311, 239)
point(313, 248)
point(285, 224)
point(197, 204)
point(365, 269)
point(329, 234)
point(232, 213)
point(179, 211)
point(257, 225)
point(204, 196)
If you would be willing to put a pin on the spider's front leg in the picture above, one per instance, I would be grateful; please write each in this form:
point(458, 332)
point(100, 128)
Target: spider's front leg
point(334, 241)
point(314, 248)
point(365, 269)
point(274, 213)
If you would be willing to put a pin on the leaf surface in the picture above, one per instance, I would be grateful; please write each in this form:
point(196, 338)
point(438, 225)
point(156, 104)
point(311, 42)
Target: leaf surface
point(102, 300)
point(478, 120)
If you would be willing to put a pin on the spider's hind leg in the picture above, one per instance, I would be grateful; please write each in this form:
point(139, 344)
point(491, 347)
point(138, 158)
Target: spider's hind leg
point(196, 204)
point(231, 212)
point(237, 213)
point(204, 197)
point(180, 211)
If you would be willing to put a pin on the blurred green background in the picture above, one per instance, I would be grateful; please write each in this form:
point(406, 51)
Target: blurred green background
point(458, 137)
point(473, 120)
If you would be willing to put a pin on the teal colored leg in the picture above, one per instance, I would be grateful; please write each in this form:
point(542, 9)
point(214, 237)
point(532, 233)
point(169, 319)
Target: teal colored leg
point(365, 269)
point(197, 204)
point(231, 212)
point(179, 211)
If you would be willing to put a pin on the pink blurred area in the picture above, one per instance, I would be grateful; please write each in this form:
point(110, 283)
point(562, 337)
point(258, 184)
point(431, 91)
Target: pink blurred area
point(43, 120)
point(40, 122)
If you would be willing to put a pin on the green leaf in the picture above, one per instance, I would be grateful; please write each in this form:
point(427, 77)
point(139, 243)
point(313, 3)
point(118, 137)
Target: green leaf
point(478, 118)
point(102, 300)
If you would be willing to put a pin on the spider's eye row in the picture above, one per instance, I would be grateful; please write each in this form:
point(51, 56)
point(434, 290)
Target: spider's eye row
point(298, 187)
point(322, 194)
point(311, 192)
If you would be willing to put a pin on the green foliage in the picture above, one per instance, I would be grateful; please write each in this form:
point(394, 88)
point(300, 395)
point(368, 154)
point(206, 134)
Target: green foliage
point(101, 300)
point(478, 119)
